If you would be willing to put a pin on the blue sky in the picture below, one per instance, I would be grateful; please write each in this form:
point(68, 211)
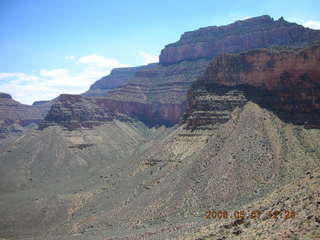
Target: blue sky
point(53, 46)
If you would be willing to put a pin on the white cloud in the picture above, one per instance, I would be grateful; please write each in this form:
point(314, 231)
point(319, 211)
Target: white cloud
point(148, 58)
point(71, 58)
point(54, 73)
point(18, 77)
point(100, 61)
point(28, 93)
point(312, 24)
point(49, 83)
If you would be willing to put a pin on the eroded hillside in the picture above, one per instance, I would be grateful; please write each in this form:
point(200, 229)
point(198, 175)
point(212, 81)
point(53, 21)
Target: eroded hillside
point(106, 167)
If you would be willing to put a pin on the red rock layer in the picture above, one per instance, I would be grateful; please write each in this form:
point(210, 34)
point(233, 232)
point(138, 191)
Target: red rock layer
point(76, 111)
point(287, 81)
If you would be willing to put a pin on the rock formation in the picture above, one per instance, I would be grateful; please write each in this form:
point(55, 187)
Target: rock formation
point(252, 33)
point(156, 93)
point(14, 116)
point(286, 81)
point(117, 78)
point(76, 111)
point(96, 169)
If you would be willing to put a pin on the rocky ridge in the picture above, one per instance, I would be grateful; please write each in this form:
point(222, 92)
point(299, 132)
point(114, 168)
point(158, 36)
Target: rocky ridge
point(123, 179)
point(77, 111)
point(156, 94)
point(283, 80)
point(112, 177)
point(14, 116)
point(252, 33)
point(117, 78)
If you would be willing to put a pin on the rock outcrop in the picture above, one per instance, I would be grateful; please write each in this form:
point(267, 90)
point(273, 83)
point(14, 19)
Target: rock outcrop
point(5, 96)
point(14, 116)
point(77, 111)
point(124, 180)
point(146, 92)
point(43, 106)
point(258, 32)
point(287, 81)
point(155, 95)
point(117, 78)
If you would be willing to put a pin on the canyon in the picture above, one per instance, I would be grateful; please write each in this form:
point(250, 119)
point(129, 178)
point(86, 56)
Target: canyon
point(156, 93)
point(228, 119)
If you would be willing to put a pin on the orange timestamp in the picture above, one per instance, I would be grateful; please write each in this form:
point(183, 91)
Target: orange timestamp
point(253, 214)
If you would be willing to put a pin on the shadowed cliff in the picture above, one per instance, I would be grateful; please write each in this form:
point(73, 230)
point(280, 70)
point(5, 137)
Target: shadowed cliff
point(286, 81)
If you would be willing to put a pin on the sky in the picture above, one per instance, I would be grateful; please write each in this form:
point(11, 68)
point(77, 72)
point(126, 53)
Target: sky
point(49, 47)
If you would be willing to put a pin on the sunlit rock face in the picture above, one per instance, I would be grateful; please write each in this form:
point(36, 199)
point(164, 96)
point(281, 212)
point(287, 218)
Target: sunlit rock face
point(258, 32)
point(156, 93)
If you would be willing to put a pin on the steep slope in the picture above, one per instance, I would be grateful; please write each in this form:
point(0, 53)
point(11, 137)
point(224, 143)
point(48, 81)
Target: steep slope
point(77, 111)
point(43, 106)
point(14, 116)
point(123, 179)
point(47, 176)
point(93, 171)
point(145, 91)
point(258, 32)
point(287, 81)
point(235, 150)
point(296, 203)
point(251, 154)
point(155, 95)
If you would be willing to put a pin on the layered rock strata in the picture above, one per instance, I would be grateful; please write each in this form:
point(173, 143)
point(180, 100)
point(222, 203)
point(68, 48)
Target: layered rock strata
point(258, 32)
point(14, 116)
point(76, 111)
point(155, 96)
point(156, 93)
point(117, 78)
point(287, 81)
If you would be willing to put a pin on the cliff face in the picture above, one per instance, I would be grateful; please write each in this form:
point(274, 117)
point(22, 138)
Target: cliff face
point(286, 81)
point(117, 78)
point(259, 32)
point(76, 111)
point(124, 180)
point(160, 84)
point(156, 93)
point(14, 115)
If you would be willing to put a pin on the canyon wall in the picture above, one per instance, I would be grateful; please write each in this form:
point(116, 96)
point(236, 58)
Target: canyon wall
point(117, 78)
point(252, 33)
point(14, 116)
point(157, 93)
point(286, 81)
